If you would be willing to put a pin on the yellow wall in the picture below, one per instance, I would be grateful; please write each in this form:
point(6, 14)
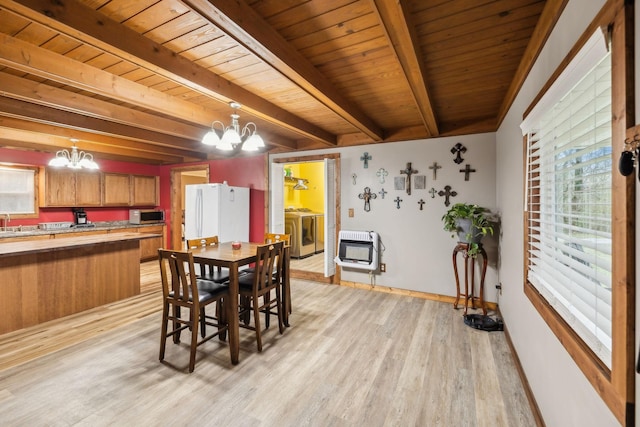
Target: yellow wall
point(313, 198)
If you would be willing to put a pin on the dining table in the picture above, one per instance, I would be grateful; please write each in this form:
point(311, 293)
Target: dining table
point(224, 255)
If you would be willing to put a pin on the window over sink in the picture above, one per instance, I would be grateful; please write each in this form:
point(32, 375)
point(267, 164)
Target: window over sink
point(18, 191)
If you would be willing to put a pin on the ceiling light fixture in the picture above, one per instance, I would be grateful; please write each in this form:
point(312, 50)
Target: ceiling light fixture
point(232, 136)
point(74, 159)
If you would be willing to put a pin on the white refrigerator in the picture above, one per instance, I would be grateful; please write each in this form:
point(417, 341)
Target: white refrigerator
point(216, 210)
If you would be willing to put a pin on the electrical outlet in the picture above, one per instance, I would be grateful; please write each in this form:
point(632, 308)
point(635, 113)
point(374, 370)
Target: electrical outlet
point(383, 267)
point(350, 212)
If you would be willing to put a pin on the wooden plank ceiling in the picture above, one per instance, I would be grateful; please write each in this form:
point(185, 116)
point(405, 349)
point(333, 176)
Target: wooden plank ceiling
point(143, 80)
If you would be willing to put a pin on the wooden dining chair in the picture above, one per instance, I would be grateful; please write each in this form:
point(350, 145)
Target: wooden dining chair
point(217, 274)
point(286, 238)
point(182, 289)
point(256, 286)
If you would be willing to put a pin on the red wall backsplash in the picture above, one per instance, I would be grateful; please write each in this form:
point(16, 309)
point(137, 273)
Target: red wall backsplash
point(240, 172)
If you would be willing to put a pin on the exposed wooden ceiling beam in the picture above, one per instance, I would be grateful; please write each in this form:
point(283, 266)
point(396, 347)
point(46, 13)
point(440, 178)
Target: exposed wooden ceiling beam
point(143, 149)
point(396, 20)
point(85, 24)
point(42, 114)
point(32, 59)
point(263, 41)
point(42, 94)
point(547, 21)
point(18, 138)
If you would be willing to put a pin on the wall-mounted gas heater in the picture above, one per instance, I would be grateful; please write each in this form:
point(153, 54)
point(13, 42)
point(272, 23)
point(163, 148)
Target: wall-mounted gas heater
point(358, 249)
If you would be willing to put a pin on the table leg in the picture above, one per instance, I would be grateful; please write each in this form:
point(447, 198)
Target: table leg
point(232, 315)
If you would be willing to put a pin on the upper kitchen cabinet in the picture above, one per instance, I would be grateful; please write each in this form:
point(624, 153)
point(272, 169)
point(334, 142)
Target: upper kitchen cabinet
point(144, 190)
point(69, 188)
point(117, 189)
point(130, 190)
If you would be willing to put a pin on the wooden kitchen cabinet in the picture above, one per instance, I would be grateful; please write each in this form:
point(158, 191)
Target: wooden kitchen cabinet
point(88, 189)
point(149, 247)
point(69, 188)
point(144, 190)
point(116, 189)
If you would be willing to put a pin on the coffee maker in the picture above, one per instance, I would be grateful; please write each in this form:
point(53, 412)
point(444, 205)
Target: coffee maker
point(80, 216)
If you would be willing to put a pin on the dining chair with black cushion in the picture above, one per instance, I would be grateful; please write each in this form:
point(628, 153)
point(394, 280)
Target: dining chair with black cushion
point(182, 289)
point(272, 238)
point(286, 238)
point(256, 286)
point(217, 274)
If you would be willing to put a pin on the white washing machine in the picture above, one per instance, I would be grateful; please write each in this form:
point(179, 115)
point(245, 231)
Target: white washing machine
point(302, 228)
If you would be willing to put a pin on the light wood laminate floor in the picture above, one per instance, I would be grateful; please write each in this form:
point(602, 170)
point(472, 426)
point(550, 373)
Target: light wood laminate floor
point(351, 357)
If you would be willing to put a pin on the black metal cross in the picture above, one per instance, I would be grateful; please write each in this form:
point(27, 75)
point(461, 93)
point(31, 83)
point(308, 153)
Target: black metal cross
point(398, 200)
point(467, 171)
point(408, 171)
point(421, 203)
point(433, 192)
point(435, 168)
point(366, 196)
point(366, 157)
point(382, 193)
point(457, 149)
point(447, 193)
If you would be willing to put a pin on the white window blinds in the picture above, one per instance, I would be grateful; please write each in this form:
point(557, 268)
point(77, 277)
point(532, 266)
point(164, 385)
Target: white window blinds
point(17, 191)
point(568, 204)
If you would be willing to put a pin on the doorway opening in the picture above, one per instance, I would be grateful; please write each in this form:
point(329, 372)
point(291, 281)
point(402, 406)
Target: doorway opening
point(181, 176)
point(304, 195)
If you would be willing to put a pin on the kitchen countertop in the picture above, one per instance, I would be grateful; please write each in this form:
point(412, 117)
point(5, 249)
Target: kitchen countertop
point(99, 226)
point(48, 245)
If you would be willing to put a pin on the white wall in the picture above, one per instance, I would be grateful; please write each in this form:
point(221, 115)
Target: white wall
point(564, 395)
point(417, 250)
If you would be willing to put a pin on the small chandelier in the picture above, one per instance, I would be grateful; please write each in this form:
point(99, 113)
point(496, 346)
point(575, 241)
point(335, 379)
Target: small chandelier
point(74, 160)
point(232, 136)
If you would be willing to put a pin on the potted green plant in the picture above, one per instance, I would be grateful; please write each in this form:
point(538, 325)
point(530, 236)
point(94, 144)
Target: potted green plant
point(470, 222)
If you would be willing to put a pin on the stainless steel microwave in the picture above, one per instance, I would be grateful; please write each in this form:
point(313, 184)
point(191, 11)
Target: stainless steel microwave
point(143, 216)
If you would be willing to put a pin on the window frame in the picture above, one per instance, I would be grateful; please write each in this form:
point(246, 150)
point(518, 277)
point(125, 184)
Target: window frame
point(616, 385)
point(36, 180)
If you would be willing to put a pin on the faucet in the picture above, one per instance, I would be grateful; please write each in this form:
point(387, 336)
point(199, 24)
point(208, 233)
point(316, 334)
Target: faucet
point(7, 219)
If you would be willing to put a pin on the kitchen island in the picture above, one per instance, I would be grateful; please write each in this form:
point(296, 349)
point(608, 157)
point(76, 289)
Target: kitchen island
point(47, 279)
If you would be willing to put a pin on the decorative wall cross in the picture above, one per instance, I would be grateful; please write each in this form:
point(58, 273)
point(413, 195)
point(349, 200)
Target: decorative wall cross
point(447, 193)
point(435, 168)
point(366, 157)
point(353, 177)
point(381, 174)
point(398, 200)
point(467, 170)
point(421, 203)
point(457, 149)
point(382, 193)
point(433, 192)
point(366, 196)
point(408, 171)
